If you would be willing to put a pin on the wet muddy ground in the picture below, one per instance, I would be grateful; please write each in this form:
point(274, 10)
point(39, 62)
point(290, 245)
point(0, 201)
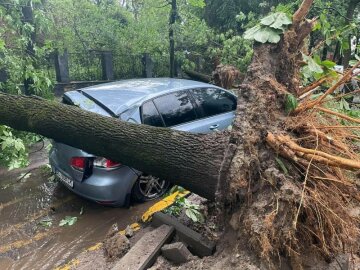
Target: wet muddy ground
point(29, 205)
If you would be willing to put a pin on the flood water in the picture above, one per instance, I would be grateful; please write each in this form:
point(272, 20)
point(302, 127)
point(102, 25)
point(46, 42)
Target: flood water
point(27, 204)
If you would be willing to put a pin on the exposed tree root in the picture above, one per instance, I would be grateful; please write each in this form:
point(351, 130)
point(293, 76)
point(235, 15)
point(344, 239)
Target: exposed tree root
point(343, 116)
point(291, 150)
point(296, 183)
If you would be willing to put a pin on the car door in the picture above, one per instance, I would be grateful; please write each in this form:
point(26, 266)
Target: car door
point(215, 108)
point(192, 112)
point(177, 110)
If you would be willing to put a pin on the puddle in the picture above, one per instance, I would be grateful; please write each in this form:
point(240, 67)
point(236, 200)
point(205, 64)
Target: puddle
point(26, 244)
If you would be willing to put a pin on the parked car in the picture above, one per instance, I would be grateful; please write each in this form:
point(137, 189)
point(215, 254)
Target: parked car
point(162, 102)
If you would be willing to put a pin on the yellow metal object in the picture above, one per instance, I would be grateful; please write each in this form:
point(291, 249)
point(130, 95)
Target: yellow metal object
point(134, 226)
point(161, 205)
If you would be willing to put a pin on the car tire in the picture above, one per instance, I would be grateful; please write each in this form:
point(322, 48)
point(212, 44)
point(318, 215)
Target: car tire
point(148, 188)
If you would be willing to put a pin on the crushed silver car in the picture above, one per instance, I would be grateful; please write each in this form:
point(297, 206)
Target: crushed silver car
point(162, 102)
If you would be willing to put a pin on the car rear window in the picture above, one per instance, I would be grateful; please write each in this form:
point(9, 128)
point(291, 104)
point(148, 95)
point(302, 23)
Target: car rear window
point(175, 108)
point(212, 101)
point(150, 115)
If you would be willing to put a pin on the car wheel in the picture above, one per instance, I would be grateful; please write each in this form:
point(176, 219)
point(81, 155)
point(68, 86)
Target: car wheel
point(148, 188)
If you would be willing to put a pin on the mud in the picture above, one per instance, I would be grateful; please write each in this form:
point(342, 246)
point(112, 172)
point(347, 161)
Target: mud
point(25, 243)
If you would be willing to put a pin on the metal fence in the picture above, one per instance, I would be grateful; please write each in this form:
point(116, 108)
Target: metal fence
point(127, 66)
point(161, 65)
point(105, 65)
point(85, 66)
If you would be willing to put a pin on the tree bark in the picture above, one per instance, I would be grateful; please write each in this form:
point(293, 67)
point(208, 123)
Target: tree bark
point(172, 20)
point(190, 160)
point(198, 76)
point(349, 18)
point(28, 17)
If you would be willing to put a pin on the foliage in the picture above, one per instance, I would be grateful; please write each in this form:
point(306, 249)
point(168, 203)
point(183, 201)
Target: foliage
point(181, 204)
point(269, 29)
point(13, 152)
point(232, 49)
point(239, 15)
point(46, 223)
point(68, 221)
point(19, 63)
point(315, 69)
point(282, 166)
point(290, 103)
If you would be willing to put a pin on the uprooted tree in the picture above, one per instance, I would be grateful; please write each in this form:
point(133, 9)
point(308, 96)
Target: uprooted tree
point(289, 180)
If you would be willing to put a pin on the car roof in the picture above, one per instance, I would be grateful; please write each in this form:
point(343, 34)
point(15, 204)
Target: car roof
point(116, 97)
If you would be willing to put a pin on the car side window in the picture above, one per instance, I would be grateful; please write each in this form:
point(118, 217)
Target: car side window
point(175, 108)
point(212, 101)
point(150, 115)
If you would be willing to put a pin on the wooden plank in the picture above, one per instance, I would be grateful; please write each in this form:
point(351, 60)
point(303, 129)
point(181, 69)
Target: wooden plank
point(144, 253)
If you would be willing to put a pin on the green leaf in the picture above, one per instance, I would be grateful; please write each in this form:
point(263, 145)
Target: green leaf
point(328, 64)
point(263, 34)
point(282, 166)
point(68, 220)
point(290, 103)
point(268, 20)
point(317, 26)
point(267, 35)
point(46, 223)
point(2, 44)
point(249, 34)
point(190, 213)
point(278, 20)
point(344, 105)
point(62, 222)
point(313, 66)
point(19, 145)
point(197, 3)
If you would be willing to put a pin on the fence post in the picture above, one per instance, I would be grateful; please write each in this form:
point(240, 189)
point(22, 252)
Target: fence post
point(198, 63)
point(4, 76)
point(107, 66)
point(62, 67)
point(148, 66)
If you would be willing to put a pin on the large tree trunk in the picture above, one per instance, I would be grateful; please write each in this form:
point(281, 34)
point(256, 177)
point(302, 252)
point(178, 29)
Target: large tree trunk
point(190, 160)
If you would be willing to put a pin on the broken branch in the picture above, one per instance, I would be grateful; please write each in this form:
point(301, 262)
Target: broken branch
point(302, 12)
point(281, 143)
point(310, 104)
point(343, 116)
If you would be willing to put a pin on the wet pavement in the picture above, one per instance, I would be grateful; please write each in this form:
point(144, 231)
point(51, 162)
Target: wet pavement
point(27, 205)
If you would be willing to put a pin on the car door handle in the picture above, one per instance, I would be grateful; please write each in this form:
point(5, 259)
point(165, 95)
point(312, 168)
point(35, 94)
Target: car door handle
point(214, 127)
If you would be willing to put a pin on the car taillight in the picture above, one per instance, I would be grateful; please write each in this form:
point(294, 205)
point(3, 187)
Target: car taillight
point(105, 163)
point(78, 163)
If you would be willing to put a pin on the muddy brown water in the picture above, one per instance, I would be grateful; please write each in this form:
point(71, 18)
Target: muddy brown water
point(25, 243)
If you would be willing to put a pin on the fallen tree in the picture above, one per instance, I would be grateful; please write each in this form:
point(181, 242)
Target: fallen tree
point(283, 207)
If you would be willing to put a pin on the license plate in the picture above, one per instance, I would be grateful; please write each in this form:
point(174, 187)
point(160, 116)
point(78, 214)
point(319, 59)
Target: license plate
point(65, 180)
